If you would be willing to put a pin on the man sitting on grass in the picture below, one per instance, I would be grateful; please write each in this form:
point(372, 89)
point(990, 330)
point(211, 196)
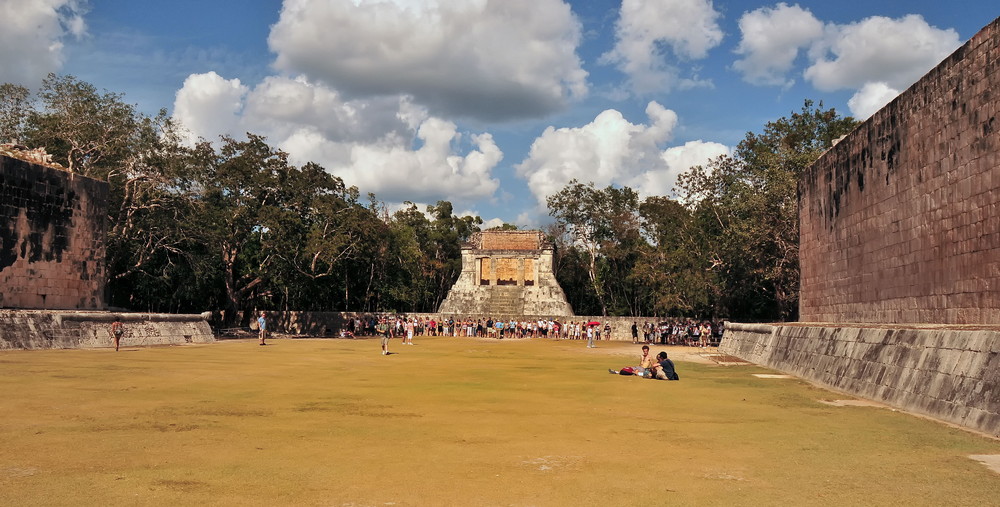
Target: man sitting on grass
point(664, 369)
point(644, 368)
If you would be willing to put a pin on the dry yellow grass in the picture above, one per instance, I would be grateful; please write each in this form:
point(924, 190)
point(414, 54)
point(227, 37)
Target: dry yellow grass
point(451, 421)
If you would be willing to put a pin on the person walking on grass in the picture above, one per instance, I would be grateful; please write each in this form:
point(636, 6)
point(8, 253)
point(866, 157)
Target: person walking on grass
point(262, 327)
point(382, 328)
point(117, 330)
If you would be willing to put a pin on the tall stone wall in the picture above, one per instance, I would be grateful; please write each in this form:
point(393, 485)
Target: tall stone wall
point(51, 238)
point(48, 329)
point(900, 221)
point(948, 374)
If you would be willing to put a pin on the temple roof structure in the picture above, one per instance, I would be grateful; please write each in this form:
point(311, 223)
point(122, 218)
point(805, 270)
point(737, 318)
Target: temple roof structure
point(507, 273)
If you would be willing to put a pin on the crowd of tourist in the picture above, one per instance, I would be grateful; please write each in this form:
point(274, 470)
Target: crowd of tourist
point(680, 332)
point(670, 332)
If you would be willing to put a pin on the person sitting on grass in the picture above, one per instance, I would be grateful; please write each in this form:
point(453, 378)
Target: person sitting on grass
point(643, 370)
point(664, 369)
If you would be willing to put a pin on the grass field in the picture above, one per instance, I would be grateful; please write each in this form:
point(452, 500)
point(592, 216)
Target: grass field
point(452, 421)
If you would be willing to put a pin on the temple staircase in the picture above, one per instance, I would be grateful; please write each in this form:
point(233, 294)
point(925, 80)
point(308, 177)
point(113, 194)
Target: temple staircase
point(506, 300)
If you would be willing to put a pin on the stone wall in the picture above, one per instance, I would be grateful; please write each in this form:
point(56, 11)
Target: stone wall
point(900, 220)
point(51, 238)
point(27, 329)
point(948, 374)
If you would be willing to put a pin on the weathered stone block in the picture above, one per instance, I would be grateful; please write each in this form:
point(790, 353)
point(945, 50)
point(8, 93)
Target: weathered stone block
point(957, 385)
point(52, 223)
point(506, 273)
point(916, 186)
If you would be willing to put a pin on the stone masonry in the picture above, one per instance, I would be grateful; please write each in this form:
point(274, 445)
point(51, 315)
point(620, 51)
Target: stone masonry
point(949, 374)
point(900, 221)
point(506, 273)
point(51, 238)
point(54, 329)
point(899, 246)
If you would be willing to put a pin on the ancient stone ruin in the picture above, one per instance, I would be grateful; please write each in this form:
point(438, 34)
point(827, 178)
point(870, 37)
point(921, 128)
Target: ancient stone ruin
point(900, 252)
point(51, 237)
point(52, 263)
point(506, 273)
point(900, 220)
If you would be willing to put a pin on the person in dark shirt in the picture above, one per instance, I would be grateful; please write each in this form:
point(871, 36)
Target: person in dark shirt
point(664, 369)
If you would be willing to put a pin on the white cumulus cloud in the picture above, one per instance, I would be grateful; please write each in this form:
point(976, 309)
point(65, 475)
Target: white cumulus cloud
point(689, 28)
point(488, 224)
point(31, 41)
point(208, 105)
point(385, 145)
point(611, 150)
point(485, 59)
point(870, 98)
point(894, 51)
point(877, 56)
point(771, 41)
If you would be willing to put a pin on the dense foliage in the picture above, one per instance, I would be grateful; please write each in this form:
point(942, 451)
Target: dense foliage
point(233, 226)
point(726, 247)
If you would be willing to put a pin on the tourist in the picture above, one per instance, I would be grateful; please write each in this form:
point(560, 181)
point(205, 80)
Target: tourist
point(409, 331)
point(664, 368)
point(117, 330)
point(635, 332)
point(644, 369)
point(646, 362)
point(382, 328)
point(607, 330)
point(718, 329)
point(262, 327)
point(590, 337)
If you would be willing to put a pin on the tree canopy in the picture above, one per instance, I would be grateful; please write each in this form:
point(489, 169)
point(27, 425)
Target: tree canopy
point(726, 246)
point(232, 225)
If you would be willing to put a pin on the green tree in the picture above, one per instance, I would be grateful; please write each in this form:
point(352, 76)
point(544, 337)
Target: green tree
point(15, 106)
point(745, 209)
point(239, 184)
point(676, 277)
point(89, 132)
point(603, 223)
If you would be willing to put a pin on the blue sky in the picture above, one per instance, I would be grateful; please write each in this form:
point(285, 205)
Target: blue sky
point(490, 104)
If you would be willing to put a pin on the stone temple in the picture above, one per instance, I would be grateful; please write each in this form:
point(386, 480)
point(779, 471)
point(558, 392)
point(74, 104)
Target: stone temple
point(507, 273)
